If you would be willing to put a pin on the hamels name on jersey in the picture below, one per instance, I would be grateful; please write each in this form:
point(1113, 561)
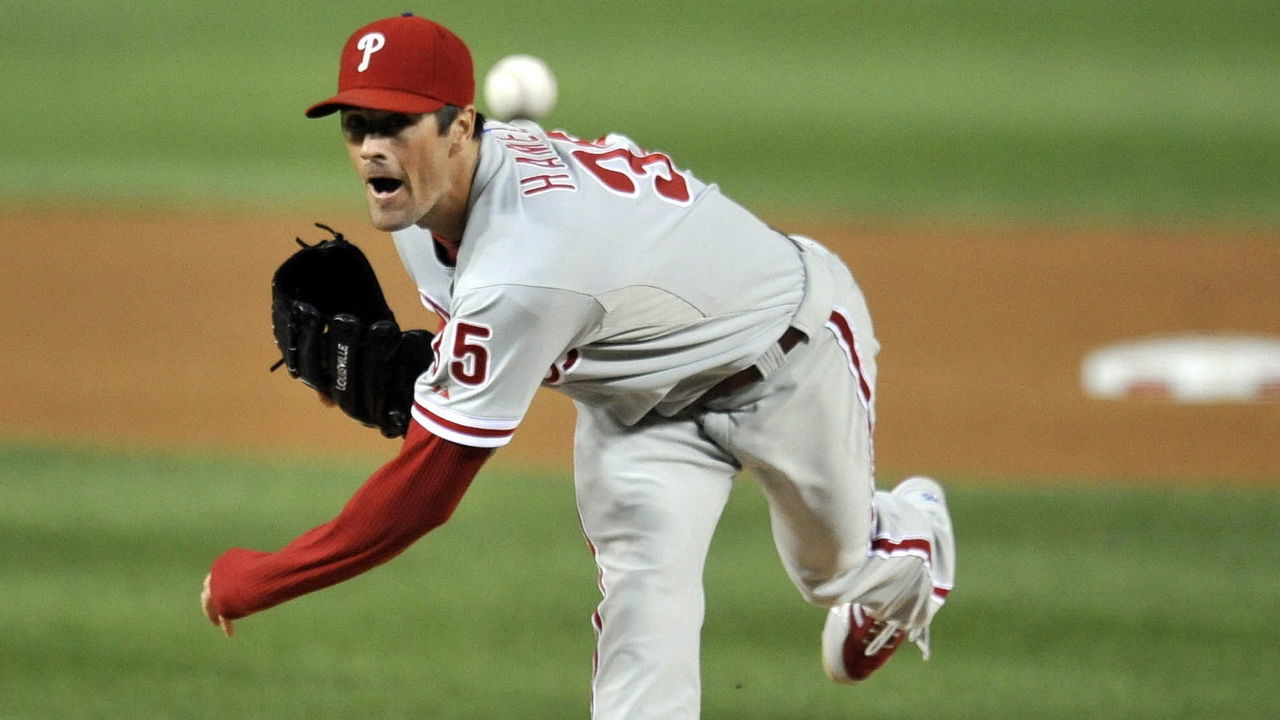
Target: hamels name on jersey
point(536, 162)
point(614, 162)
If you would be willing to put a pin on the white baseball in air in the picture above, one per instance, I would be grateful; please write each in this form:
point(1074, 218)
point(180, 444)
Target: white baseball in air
point(520, 86)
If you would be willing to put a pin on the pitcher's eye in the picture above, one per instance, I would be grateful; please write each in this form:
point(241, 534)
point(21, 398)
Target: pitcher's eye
point(355, 125)
point(393, 124)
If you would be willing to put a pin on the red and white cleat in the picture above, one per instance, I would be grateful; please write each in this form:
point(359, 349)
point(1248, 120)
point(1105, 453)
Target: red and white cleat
point(854, 644)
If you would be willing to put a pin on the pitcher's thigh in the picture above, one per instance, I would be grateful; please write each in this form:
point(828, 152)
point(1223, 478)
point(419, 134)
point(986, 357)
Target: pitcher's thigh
point(649, 498)
point(808, 439)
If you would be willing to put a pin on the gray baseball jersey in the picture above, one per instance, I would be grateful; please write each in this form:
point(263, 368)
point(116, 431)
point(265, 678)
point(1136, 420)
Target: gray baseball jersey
point(597, 268)
point(605, 271)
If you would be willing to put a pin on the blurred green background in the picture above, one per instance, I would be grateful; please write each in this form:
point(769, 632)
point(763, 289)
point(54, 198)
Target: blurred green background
point(1062, 110)
point(1072, 602)
point(1106, 601)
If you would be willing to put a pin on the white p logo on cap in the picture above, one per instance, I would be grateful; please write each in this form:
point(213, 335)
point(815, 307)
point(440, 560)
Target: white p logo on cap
point(370, 44)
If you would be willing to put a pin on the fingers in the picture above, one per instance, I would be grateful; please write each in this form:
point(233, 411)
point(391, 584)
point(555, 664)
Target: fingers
point(206, 600)
point(206, 605)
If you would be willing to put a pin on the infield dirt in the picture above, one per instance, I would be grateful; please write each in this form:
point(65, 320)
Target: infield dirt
point(153, 330)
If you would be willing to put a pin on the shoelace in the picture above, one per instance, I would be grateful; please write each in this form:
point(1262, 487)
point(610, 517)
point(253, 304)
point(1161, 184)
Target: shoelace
point(920, 636)
point(885, 631)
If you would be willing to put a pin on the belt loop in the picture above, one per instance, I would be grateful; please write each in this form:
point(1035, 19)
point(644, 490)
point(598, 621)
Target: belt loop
point(768, 363)
point(771, 360)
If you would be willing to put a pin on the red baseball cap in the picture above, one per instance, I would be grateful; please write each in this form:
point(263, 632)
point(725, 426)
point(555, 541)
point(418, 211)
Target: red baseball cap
point(402, 64)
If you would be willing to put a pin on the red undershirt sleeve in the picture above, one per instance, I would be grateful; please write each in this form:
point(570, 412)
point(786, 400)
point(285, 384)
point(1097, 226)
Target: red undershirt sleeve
point(409, 496)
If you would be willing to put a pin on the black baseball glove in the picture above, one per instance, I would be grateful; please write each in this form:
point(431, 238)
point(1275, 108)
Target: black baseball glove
point(336, 334)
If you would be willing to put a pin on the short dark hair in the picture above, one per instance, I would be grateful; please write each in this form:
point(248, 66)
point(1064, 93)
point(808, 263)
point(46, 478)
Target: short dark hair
point(447, 114)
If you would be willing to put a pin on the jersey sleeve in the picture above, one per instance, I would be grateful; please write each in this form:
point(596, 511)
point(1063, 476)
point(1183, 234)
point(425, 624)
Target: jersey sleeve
point(409, 496)
point(497, 348)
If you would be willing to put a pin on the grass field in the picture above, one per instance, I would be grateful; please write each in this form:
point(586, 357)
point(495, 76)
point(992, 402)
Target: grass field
point(1059, 109)
point(1100, 602)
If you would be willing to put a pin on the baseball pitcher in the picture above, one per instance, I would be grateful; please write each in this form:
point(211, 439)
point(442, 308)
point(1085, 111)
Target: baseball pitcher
point(695, 341)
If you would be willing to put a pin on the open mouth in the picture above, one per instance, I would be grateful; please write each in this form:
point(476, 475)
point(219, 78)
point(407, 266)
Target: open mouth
point(383, 186)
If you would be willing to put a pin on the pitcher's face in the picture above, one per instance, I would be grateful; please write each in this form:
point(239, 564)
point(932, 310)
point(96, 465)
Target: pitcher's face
point(402, 160)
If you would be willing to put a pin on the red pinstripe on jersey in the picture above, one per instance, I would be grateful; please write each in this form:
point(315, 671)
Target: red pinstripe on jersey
point(840, 324)
point(597, 620)
point(476, 432)
point(919, 547)
point(434, 307)
point(885, 546)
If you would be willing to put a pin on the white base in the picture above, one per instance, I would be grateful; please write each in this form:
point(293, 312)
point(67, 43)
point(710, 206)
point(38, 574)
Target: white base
point(1186, 369)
